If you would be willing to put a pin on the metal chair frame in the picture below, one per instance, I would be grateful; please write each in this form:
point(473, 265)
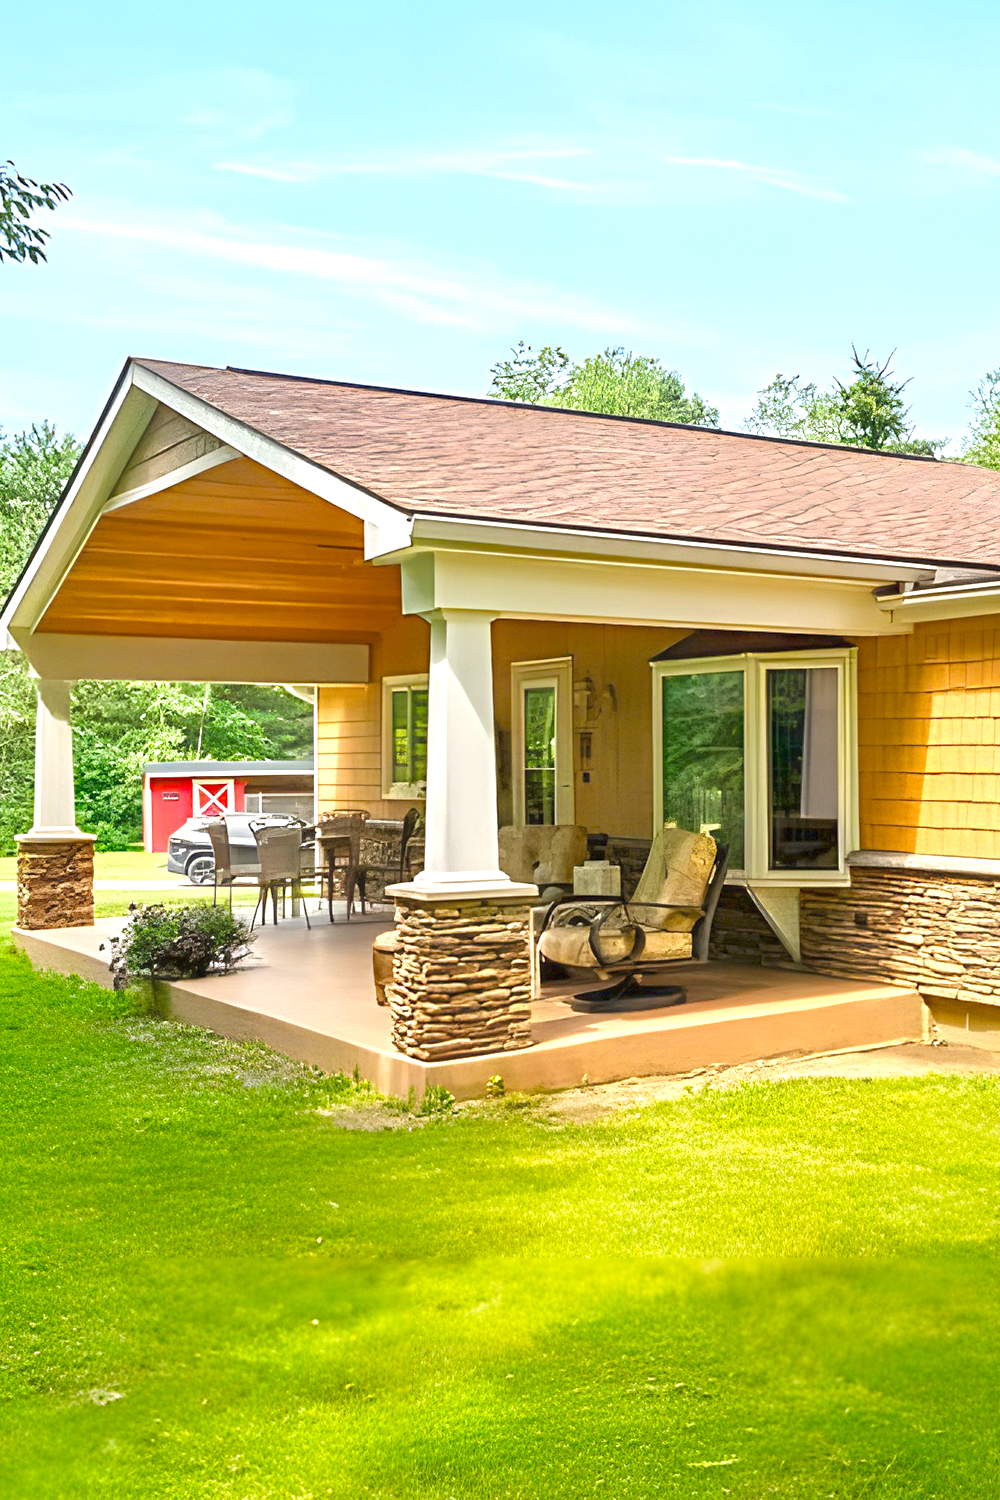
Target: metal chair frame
point(635, 987)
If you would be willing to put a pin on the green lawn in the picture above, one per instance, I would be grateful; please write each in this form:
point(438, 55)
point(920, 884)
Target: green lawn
point(213, 1288)
point(131, 864)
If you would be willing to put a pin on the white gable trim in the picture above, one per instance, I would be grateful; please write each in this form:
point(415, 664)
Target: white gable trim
point(264, 450)
point(223, 455)
point(122, 425)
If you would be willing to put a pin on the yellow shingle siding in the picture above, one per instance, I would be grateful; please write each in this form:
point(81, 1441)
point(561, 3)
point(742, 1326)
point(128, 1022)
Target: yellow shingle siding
point(928, 746)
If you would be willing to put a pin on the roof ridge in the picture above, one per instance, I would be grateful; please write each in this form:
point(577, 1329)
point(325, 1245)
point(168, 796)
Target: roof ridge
point(394, 390)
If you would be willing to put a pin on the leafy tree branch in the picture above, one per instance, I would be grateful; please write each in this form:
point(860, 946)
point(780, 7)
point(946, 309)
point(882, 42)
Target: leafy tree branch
point(20, 199)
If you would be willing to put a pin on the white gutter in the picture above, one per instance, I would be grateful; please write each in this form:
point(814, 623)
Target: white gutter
point(950, 602)
point(432, 531)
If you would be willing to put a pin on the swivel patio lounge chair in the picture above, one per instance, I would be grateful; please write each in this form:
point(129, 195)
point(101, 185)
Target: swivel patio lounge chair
point(633, 944)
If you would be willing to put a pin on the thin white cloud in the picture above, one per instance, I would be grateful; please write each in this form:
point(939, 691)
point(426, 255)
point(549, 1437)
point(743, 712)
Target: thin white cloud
point(422, 293)
point(505, 165)
point(770, 175)
point(809, 112)
point(971, 161)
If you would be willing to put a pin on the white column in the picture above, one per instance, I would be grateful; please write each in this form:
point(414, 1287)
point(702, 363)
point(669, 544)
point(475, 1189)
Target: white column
point(55, 801)
point(461, 849)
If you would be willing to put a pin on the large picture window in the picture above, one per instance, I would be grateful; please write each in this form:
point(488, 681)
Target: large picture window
point(760, 752)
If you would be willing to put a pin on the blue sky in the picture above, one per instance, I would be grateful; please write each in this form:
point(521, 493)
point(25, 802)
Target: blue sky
point(398, 193)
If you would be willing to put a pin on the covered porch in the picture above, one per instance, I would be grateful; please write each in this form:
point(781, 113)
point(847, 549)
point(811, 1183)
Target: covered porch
point(192, 547)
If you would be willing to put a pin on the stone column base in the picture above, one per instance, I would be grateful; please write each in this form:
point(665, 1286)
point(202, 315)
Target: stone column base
point(55, 881)
point(462, 975)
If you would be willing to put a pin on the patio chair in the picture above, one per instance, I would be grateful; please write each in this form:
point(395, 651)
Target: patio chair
point(280, 848)
point(225, 875)
point(633, 944)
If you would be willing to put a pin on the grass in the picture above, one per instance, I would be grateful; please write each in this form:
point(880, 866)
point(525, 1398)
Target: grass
point(211, 1287)
point(129, 864)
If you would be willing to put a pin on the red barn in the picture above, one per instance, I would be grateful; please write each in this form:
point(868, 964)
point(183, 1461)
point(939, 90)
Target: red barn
point(177, 790)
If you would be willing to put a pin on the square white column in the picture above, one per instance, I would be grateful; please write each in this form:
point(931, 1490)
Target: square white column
point(461, 852)
point(55, 796)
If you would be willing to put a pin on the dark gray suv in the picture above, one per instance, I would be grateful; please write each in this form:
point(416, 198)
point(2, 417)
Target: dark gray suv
point(189, 850)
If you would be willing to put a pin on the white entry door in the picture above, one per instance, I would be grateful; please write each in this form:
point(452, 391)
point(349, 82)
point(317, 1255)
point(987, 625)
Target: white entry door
point(542, 723)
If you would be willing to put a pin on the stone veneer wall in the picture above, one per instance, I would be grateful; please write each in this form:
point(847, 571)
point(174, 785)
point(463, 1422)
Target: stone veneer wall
point(939, 933)
point(55, 883)
point(740, 933)
point(462, 977)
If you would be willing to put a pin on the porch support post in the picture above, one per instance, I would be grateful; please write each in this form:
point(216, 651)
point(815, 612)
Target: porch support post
point(461, 845)
point(55, 858)
point(461, 982)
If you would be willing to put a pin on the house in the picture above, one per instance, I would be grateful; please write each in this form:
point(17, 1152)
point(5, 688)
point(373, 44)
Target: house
point(521, 614)
point(173, 791)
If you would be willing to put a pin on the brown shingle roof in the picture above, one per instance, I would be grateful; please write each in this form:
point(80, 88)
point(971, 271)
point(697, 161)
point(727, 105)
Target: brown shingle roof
point(491, 460)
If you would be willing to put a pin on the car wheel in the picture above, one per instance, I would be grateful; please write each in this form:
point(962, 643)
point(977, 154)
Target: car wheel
point(201, 870)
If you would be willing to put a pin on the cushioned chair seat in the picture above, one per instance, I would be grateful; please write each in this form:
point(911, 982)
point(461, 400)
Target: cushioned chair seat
point(570, 946)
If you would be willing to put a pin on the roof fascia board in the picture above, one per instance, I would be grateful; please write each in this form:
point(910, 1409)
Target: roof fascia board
point(474, 535)
point(123, 423)
point(958, 603)
point(268, 452)
point(223, 455)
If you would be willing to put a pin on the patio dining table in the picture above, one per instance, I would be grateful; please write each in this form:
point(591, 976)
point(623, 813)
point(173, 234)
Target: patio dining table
point(338, 839)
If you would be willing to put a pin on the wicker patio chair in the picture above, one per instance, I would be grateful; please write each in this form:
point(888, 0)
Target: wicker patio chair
point(225, 875)
point(338, 835)
point(280, 848)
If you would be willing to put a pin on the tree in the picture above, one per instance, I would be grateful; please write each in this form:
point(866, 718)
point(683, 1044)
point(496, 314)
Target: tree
point(34, 468)
point(867, 413)
point(531, 375)
point(616, 382)
point(20, 198)
point(982, 445)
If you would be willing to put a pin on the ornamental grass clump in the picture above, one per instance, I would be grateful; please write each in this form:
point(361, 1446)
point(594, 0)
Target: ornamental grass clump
point(181, 942)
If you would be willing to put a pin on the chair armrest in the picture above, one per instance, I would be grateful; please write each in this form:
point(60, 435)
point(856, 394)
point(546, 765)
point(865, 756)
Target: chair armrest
point(581, 901)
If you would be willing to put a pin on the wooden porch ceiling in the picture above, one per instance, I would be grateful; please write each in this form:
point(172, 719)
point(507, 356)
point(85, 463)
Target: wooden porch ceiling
point(235, 553)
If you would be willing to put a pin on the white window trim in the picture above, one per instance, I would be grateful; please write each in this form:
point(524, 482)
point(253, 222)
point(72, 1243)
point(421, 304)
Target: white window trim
point(754, 666)
point(556, 671)
point(398, 791)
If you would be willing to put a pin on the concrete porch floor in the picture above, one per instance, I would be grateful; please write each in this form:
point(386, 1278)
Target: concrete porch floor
point(310, 995)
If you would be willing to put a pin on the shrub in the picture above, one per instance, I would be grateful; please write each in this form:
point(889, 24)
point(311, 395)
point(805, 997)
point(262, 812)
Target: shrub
point(181, 942)
point(437, 1100)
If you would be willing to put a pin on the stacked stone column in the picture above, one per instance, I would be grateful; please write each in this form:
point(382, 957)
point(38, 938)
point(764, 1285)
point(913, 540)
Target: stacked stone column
point(462, 975)
point(55, 882)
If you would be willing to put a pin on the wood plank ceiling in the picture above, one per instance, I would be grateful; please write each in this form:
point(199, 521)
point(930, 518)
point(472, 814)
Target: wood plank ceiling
point(234, 554)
